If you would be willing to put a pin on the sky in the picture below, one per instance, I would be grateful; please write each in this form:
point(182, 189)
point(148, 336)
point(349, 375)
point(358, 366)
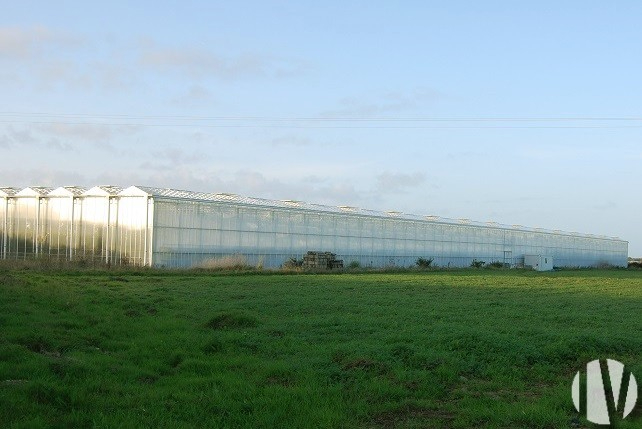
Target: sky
point(522, 113)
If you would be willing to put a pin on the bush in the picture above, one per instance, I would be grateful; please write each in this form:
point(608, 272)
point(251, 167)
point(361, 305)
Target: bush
point(477, 264)
point(495, 264)
point(604, 265)
point(293, 263)
point(424, 263)
point(353, 265)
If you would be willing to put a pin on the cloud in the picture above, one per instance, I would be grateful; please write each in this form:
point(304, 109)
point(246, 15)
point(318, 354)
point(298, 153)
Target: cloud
point(63, 136)
point(99, 135)
point(170, 158)
point(391, 183)
point(195, 96)
point(52, 73)
point(111, 74)
point(391, 102)
point(25, 43)
point(243, 182)
point(44, 176)
point(5, 141)
point(48, 58)
point(20, 136)
point(51, 58)
point(203, 177)
point(58, 145)
point(322, 190)
point(291, 140)
point(606, 205)
point(201, 63)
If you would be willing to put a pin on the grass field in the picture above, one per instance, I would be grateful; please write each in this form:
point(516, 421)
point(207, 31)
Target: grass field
point(437, 349)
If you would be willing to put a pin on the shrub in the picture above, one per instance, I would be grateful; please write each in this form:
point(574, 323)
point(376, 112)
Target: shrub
point(424, 263)
point(293, 263)
point(603, 265)
point(353, 265)
point(477, 264)
point(495, 264)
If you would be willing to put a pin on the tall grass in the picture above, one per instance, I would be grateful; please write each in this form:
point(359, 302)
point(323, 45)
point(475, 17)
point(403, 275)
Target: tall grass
point(226, 262)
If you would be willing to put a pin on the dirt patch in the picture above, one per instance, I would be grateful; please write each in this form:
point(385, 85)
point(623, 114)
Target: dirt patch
point(412, 385)
point(9, 280)
point(365, 364)
point(147, 379)
point(175, 360)
point(400, 416)
point(214, 346)
point(13, 382)
point(280, 380)
point(42, 346)
point(231, 321)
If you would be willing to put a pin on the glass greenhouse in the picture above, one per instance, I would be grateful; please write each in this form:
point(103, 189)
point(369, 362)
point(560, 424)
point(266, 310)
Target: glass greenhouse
point(172, 228)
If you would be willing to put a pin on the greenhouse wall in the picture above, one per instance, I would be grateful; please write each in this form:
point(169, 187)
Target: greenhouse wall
point(135, 228)
point(7, 204)
point(57, 214)
point(25, 236)
point(96, 233)
point(189, 233)
point(165, 227)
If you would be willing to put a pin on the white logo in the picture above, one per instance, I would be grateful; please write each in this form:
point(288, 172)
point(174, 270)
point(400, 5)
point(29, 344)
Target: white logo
point(597, 410)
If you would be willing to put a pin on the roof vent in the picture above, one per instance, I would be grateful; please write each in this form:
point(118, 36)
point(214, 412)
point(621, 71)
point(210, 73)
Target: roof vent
point(348, 208)
point(227, 196)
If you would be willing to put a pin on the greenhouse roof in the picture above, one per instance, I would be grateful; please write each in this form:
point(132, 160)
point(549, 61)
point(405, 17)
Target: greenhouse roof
point(168, 193)
point(103, 191)
point(67, 191)
point(34, 191)
point(8, 192)
point(301, 205)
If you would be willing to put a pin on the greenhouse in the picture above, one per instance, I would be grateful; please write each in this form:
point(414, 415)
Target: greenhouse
point(172, 228)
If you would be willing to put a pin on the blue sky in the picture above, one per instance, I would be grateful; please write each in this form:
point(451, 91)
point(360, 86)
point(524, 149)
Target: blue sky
point(507, 111)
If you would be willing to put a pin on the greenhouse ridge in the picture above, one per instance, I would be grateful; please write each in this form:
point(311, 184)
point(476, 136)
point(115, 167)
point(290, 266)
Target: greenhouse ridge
point(168, 227)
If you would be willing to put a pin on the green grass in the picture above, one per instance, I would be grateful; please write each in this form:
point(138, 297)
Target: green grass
point(460, 349)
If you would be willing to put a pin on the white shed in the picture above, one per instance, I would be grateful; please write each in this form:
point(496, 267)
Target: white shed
point(538, 262)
